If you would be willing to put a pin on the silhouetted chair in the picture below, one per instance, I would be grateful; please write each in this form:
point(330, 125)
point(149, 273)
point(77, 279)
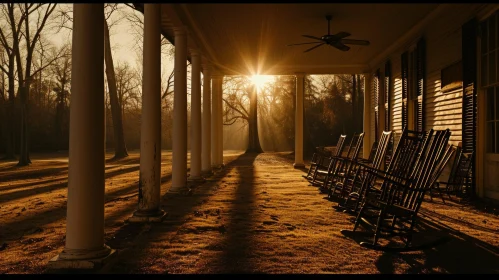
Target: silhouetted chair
point(339, 164)
point(404, 156)
point(356, 175)
point(327, 161)
point(317, 158)
point(393, 210)
point(458, 176)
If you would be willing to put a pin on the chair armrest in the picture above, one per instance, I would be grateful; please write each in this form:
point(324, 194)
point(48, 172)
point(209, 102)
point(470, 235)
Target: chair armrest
point(386, 176)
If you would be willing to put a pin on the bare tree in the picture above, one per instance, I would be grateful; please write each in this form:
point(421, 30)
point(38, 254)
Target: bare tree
point(239, 93)
point(7, 41)
point(26, 21)
point(127, 86)
point(62, 74)
point(120, 150)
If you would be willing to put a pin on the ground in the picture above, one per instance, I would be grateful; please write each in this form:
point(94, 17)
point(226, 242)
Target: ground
point(257, 215)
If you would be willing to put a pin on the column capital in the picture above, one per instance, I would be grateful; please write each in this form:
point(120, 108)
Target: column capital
point(206, 69)
point(300, 74)
point(194, 52)
point(217, 75)
point(180, 30)
point(206, 66)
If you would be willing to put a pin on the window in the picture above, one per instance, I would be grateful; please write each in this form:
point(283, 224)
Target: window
point(489, 47)
point(489, 51)
point(492, 119)
point(387, 89)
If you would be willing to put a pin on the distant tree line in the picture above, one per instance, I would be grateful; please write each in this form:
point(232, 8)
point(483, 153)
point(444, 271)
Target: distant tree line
point(35, 81)
point(333, 106)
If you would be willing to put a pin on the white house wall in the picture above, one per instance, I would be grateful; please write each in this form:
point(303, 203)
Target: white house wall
point(443, 48)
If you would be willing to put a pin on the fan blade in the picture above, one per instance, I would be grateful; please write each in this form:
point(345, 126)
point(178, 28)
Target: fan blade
point(302, 44)
point(355, 42)
point(312, 37)
point(342, 34)
point(340, 46)
point(315, 47)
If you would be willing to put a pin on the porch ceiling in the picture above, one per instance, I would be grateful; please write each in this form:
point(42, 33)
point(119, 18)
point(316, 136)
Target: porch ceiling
point(252, 38)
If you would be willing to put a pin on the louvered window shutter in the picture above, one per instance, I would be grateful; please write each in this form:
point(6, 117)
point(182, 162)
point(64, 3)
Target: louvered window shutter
point(387, 89)
point(420, 90)
point(469, 50)
point(405, 86)
point(376, 104)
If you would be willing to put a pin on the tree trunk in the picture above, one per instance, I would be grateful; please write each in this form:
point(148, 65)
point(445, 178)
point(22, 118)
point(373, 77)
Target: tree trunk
point(308, 141)
point(254, 141)
point(59, 117)
point(9, 127)
point(23, 148)
point(120, 150)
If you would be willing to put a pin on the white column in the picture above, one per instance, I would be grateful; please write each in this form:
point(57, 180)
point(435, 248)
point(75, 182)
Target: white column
point(195, 117)
point(368, 142)
point(206, 143)
point(215, 133)
point(299, 121)
point(85, 206)
point(220, 123)
point(179, 165)
point(149, 207)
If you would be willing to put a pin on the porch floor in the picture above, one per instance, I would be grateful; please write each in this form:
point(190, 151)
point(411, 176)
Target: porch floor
point(257, 215)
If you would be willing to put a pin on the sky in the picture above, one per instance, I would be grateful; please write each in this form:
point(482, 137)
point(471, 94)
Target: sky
point(123, 42)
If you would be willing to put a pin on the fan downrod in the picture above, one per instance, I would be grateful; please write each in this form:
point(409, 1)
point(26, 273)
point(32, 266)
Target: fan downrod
point(328, 18)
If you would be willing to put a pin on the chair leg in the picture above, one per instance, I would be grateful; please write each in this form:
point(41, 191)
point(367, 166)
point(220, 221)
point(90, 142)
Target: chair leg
point(357, 202)
point(393, 222)
point(448, 192)
point(378, 226)
point(441, 194)
point(409, 233)
point(359, 216)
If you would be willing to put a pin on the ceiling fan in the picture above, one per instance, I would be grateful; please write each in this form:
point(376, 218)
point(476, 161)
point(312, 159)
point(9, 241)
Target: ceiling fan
point(338, 40)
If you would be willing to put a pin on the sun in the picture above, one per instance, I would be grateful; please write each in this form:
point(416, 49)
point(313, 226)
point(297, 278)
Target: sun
point(261, 80)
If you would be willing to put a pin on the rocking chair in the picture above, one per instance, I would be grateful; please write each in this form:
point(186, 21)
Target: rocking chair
point(393, 211)
point(340, 166)
point(331, 160)
point(356, 176)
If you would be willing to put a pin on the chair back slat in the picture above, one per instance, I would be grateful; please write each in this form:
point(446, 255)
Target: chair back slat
point(406, 152)
point(340, 145)
point(355, 145)
point(381, 149)
point(404, 157)
point(427, 165)
point(372, 153)
point(429, 162)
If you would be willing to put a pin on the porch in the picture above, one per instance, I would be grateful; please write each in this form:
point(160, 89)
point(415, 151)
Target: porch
point(211, 38)
point(258, 215)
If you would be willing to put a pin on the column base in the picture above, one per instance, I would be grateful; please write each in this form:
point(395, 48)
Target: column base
point(299, 165)
point(207, 173)
point(82, 259)
point(147, 217)
point(177, 190)
point(196, 179)
point(217, 166)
